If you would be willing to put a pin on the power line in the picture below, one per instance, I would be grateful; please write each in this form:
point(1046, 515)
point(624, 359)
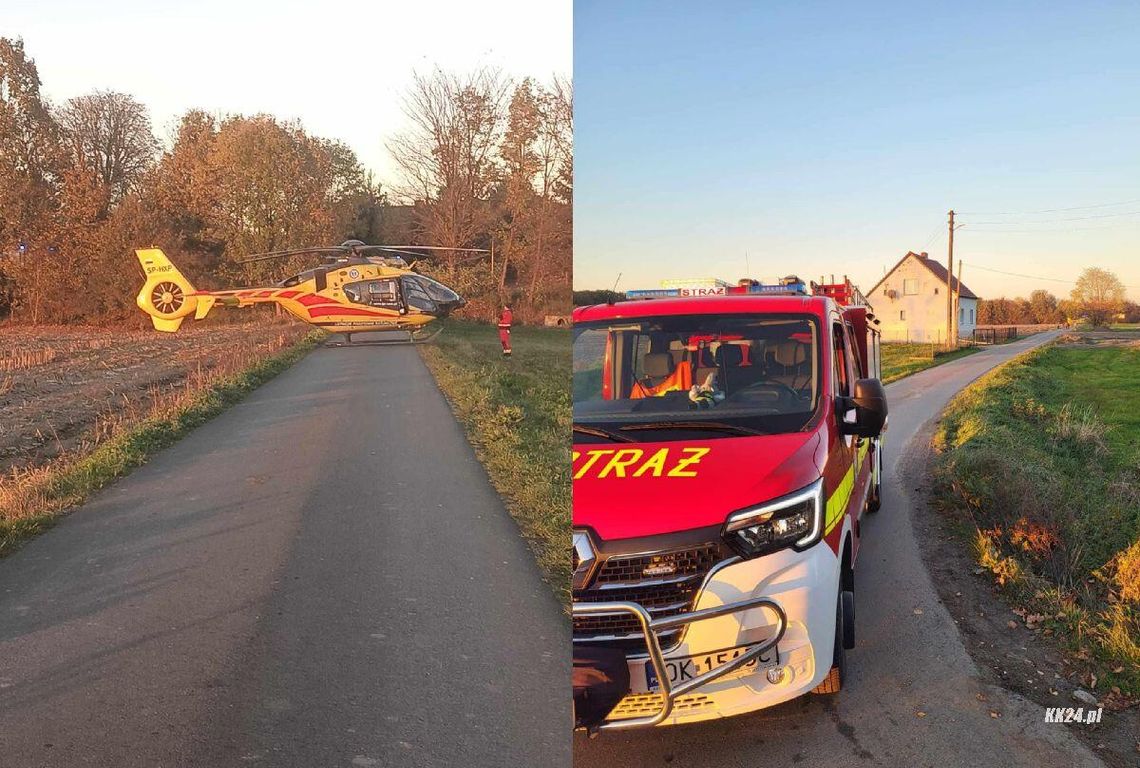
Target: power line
point(1047, 210)
point(938, 229)
point(1058, 229)
point(1069, 218)
point(1030, 277)
point(1018, 274)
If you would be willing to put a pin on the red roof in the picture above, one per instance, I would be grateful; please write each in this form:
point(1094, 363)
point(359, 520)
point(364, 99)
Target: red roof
point(707, 305)
point(937, 269)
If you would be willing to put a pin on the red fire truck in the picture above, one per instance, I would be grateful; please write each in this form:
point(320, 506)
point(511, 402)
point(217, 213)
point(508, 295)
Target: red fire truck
point(727, 442)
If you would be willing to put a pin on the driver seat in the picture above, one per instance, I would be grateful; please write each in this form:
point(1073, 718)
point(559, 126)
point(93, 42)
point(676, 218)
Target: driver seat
point(789, 358)
point(661, 376)
point(729, 358)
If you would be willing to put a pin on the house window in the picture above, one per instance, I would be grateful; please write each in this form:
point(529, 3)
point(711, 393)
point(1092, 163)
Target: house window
point(961, 315)
point(910, 286)
point(902, 314)
point(971, 317)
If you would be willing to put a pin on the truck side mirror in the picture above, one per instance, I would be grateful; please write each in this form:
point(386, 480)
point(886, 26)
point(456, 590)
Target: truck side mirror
point(870, 402)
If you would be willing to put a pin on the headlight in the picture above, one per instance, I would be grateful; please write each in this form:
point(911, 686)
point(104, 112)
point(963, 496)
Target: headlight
point(795, 520)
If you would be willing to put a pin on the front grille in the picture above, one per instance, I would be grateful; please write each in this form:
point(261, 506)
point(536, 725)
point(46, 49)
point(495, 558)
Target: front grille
point(664, 583)
point(684, 562)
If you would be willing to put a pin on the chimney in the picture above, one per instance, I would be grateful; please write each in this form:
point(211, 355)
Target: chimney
point(923, 255)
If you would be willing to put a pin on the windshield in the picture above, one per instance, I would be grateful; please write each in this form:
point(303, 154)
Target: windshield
point(670, 378)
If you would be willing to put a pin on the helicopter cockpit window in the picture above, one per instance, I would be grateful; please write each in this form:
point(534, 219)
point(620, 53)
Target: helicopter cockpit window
point(375, 293)
point(437, 291)
point(416, 294)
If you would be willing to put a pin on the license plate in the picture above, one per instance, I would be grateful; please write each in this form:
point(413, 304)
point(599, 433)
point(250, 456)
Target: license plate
point(687, 667)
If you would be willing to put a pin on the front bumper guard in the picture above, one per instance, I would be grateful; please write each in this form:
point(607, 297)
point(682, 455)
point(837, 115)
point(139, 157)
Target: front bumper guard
point(651, 626)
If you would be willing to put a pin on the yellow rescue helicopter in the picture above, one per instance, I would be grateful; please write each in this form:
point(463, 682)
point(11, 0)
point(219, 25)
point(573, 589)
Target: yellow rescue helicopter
point(356, 288)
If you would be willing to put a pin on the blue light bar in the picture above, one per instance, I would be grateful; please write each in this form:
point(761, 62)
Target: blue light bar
point(793, 289)
point(653, 293)
point(753, 289)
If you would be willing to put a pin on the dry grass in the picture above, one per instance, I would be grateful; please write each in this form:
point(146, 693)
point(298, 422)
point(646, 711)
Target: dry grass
point(1082, 426)
point(1124, 570)
point(22, 359)
point(65, 387)
point(147, 390)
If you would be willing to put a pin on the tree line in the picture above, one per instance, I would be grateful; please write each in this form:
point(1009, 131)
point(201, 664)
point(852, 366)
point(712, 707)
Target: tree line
point(1098, 298)
point(485, 162)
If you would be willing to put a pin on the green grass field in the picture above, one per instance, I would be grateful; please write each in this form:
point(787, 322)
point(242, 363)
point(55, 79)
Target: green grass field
point(517, 415)
point(901, 360)
point(1039, 466)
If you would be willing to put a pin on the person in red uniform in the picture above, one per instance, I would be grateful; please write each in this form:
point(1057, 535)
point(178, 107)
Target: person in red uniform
point(505, 330)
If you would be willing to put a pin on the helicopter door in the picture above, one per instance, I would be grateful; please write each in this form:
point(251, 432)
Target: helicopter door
point(383, 292)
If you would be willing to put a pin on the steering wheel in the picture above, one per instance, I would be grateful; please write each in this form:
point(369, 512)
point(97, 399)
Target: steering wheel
point(779, 386)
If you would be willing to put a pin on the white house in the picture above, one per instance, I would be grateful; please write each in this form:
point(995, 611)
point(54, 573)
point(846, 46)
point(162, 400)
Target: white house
point(910, 301)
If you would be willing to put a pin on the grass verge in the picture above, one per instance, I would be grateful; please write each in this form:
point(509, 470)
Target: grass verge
point(1038, 467)
point(517, 416)
point(31, 501)
point(900, 360)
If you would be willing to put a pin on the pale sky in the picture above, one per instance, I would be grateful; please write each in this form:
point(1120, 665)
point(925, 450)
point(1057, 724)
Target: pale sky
point(341, 67)
point(823, 137)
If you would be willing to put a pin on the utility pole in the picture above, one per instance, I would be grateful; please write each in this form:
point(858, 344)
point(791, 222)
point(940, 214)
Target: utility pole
point(958, 306)
point(950, 341)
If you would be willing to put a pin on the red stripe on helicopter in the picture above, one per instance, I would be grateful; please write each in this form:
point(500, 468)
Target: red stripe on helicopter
point(288, 294)
point(264, 294)
point(311, 299)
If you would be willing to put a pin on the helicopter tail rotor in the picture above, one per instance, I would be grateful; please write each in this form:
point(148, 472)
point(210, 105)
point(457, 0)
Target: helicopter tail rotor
point(167, 296)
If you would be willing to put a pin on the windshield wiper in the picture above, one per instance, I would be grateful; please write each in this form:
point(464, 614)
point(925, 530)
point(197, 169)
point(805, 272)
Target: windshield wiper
point(599, 432)
point(710, 426)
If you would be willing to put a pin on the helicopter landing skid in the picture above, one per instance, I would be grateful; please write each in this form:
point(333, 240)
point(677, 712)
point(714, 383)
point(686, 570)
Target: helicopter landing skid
point(412, 339)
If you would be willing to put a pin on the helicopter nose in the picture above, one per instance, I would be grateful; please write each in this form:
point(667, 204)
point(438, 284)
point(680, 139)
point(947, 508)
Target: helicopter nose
point(447, 307)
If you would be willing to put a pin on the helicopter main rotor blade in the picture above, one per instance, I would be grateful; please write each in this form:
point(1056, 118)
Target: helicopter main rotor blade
point(292, 252)
point(405, 250)
point(433, 248)
point(387, 249)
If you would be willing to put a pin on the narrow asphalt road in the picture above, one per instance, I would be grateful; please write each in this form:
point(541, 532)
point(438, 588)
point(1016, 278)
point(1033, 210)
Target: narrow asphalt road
point(909, 656)
point(321, 576)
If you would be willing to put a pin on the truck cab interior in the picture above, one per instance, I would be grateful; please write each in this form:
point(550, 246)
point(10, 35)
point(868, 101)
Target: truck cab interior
point(735, 362)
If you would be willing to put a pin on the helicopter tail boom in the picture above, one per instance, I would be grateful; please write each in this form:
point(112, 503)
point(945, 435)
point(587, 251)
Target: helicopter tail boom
point(167, 296)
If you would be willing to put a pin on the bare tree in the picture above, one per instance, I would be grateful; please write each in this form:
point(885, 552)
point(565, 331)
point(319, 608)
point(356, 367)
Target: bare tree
point(448, 157)
point(535, 228)
point(110, 134)
point(552, 267)
point(561, 122)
